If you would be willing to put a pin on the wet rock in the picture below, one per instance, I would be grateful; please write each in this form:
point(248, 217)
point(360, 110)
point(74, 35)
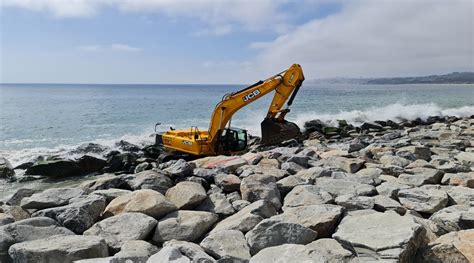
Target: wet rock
point(144, 201)
point(228, 182)
point(454, 218)
point(260, 187)
point(79, 215)
point(110, 194)
point(90, 148)
point(321, 218)
point(143, 167)
point(90, 164)
point(305, 195)
point(216, 203)
point(380, 236)
point(371, 126)
point(227, 244)
point(270, 232)
point(118, 229)
point(184, 225)
point(59, 249)
point(186, 195)
point(54, 168)
point(180, 169)
point(247, 218)
point(137, 251)
point(190, 250)
point(150, 179)
point(27, 230)
point(6, 168)
point(127, 147)
point(105, 181)
point(21, 193)
point(423, 200)
point(461, 179)
point(452, 247)
point(51, 198)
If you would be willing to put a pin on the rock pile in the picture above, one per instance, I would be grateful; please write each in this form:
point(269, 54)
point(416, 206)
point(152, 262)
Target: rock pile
point(384, 191)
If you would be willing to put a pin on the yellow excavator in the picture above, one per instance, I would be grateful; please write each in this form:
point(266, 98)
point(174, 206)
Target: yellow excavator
point(221, 138)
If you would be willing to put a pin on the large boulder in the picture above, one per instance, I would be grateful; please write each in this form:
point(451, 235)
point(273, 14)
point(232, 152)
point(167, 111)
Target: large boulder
point(420, 176)
point(423, 199)
point(110, 194)
point(90, 164)
point(452, 247)
point(145, 201)
point(150, 179)
point(419, 152)
point(459, 179)
point(322, 218)
point(393, 160)
point(118, 229)
point(21, 193)
point(228, 182)
point(271, 232)
point(169, 255)
point(105, 181)
point(381, 236)
point(15, 211)
point(354, 202)
point(391, 189)
point(79, 215)
point(51, 198)
point(54, 168)
point(350, 165)
point(460, 195)
point(227, 244)
point(58, 249)
point(27, 230)
point(260, 187)
point(194, 252)
point(137, 251)
point(329, 250)
point(466, 158)
point(6, 168)
point(228, 163)
point(217, 203)
point(338, 187)
point(180, 169)
point(306, 195)
point(6, 219)
point(186, 195)
point(247, 218)
point(283, 253)
point(184, 225)
point(454, 218)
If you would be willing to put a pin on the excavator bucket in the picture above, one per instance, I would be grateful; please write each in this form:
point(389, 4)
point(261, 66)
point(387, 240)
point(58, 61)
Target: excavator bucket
point(275, 131)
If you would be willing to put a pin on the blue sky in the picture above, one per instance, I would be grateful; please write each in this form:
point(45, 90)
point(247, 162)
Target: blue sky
point(211, 41)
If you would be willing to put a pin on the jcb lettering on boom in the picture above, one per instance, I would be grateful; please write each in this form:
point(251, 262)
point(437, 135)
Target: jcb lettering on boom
point(251, 95)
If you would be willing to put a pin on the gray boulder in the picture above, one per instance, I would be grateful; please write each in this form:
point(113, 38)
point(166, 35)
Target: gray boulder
point(329, 250)
point(420, 176)
point(217, 203)
point(181, 168)
point(54, 168)
point(247, 218)
point(459, 179)
point(6, 169)
point(144, 201)
point(110, 194)
point(321, 218)
point(90, 164)
point(423, 199)
point(118, 229)
point(420, 152)
point(228, 182)
point(338, 187)
point(169, 255)
point(27, 230)
point(305, 195)
point(284, 253)
point(271, 232)
point(79, 215)
point(186, 195)
point(260, 187)
point(21, 193)
point(286, 184)
point(184, 225)
point(51, 198)
point(227, 244)
point(59, 249)
point(350, 165)
point(454, 218)
point(150, 179)
point(105, 181)
point(16, 212)
point(383, 203)
point(312, 173)
point(190, 250)
point(136, 251)
point(460, 195)
point(354, 202)
point(394, 160)
point(391, 189)
point(452, 247)
point(381, 236)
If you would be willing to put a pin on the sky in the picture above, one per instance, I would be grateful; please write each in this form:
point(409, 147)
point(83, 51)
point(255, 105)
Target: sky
point(230, 41)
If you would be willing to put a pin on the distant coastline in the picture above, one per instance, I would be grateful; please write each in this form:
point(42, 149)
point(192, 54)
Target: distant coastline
point(451, 78)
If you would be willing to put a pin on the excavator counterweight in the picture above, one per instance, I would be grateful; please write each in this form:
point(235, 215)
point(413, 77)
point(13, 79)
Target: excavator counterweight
point(223, 139)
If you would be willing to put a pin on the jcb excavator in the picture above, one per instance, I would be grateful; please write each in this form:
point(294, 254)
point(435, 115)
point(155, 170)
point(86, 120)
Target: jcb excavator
point(223, 139)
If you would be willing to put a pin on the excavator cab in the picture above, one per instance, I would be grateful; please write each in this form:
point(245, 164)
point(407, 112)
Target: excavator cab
point(233, 140)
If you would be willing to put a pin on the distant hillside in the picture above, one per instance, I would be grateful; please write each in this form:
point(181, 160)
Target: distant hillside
point(451, 78)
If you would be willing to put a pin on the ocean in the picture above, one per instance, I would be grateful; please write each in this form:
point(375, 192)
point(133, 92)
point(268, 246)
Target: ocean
point(47, 119)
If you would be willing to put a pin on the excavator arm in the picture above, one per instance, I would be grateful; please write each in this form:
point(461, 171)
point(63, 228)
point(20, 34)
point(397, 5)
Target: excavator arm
point(274, 128)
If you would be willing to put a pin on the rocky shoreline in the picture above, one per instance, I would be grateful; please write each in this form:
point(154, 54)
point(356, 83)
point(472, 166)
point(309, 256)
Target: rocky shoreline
point(383, 191)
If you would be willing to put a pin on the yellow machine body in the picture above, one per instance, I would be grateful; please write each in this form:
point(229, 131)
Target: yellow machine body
point(220, 138)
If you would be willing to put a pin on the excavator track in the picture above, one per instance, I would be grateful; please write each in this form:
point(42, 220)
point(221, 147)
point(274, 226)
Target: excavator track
point(275, 132)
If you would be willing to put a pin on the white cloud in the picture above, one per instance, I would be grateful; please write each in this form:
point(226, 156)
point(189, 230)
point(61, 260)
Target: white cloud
point(113, 47)
point(379, 38)
point(217, 15)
